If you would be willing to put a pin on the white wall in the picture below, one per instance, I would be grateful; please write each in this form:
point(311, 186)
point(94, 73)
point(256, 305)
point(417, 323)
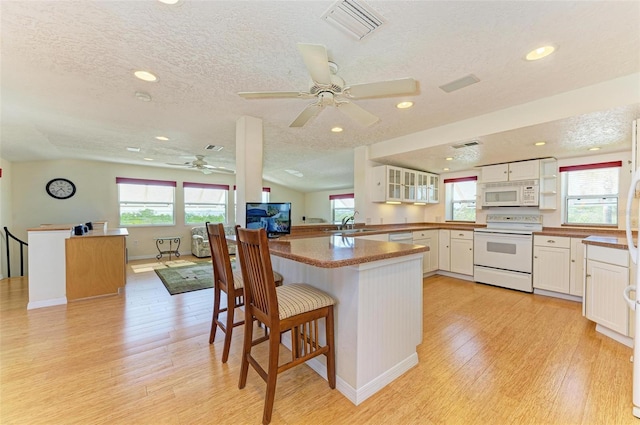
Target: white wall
point(318, 204)
point(96, 198)
point(6, 219)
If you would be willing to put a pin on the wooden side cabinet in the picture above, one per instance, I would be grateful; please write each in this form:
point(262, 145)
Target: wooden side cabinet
point(95, 264)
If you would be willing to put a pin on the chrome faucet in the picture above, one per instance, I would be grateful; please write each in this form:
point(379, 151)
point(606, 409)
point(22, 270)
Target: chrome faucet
point(347, 219)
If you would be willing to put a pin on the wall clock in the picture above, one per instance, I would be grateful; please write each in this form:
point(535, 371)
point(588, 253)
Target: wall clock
point(61, 188)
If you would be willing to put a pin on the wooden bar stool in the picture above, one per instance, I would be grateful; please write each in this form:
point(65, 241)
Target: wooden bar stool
point(227, 281)
point(293, 307)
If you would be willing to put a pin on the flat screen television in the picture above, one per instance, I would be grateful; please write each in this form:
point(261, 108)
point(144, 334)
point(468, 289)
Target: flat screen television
point(273, 217)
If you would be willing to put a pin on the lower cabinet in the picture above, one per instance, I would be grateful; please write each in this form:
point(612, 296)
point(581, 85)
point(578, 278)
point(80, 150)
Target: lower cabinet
point(558, 264)
point(456, 251)
point(428, 238)
point(444, 249)
point(607, 275)
point(462, 252)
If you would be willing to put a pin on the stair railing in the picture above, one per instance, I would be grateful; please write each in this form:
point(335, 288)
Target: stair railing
point(22, 245)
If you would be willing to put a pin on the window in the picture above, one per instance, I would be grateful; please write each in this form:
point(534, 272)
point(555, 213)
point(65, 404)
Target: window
point(205, 202)
point(461, 198)
point(591, 193)
point(342, 206)
point(146, 202)
point(266, 193)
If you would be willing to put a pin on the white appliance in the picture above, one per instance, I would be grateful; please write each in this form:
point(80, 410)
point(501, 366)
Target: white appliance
point(633, 301)
point(523, 193)
point(503, 251)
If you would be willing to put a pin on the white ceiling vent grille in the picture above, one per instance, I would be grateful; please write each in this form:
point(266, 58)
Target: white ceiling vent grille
point(214, 148)
point(466, 145)
point(353, 17)
point(460, 83)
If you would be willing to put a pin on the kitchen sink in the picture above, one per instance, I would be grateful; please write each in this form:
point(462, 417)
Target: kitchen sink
point(352, 231)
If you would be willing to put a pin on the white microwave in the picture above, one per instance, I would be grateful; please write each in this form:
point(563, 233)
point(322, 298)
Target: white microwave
point(525, 193)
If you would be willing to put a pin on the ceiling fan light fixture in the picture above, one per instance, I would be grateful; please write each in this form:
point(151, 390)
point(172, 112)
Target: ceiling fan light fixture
point(146, 76)
point(404, 105)
point(540, 52)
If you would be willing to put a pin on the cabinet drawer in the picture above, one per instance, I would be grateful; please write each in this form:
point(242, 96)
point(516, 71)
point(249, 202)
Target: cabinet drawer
point(421, 234)
point(555, 241)
point(618, 257)
point(461, 234)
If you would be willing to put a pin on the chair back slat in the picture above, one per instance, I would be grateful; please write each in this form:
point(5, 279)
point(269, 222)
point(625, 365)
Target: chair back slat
point(222, 273)
point(257, 272)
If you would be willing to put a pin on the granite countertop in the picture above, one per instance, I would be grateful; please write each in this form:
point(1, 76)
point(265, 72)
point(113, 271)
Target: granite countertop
point(339, 251)
point(618, 242)
point(610, 238)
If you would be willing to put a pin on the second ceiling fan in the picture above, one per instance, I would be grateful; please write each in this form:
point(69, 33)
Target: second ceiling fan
point(331, 90)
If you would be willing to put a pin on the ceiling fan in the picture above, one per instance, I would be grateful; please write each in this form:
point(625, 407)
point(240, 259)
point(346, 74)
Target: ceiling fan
point(201, 165)
point(329, 89)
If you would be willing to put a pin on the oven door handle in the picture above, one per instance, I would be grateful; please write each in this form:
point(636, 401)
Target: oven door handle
point(502, 236)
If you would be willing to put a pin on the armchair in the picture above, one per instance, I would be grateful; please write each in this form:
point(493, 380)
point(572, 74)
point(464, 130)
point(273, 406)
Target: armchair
point(200, 241)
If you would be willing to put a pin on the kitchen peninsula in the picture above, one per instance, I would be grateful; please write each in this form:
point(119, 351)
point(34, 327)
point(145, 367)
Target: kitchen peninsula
point(65, 267)
point(378, 317)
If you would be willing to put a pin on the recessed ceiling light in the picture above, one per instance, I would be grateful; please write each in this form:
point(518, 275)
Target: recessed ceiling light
point(131, 149)
point(445, 169)
point(540, 53)
point(163, 138)
point(148, 159)
point(336, 129)
point(594, 149)
point(145, 76)
point(170, 1)
point(449, 158)
point(404, 105)
point(540, 143)
point(145, 97)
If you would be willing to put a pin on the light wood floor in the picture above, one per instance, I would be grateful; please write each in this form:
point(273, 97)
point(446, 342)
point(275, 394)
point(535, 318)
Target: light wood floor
point(489, 356)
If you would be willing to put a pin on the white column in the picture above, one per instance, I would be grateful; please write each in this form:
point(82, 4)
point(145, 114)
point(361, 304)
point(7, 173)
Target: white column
point(248, 164)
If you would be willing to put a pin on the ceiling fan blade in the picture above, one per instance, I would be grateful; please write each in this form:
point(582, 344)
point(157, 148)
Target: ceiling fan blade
point(355, 112)
point(317, 62)
point(382, 88)
point(309, 112)
point(273, 94)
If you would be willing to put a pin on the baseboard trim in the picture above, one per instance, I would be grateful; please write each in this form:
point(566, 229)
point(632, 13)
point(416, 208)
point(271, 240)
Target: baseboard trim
point(622, 339)
point(46, 303)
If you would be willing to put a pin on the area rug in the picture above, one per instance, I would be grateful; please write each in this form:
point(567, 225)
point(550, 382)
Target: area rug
point(179, 280)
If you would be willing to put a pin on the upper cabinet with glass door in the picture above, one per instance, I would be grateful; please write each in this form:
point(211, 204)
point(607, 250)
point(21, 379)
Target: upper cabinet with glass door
point(395, 184)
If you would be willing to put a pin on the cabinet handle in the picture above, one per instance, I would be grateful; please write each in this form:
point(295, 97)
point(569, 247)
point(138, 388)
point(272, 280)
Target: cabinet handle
point(573, 261)
point(460, 234)
point(587, 275)
point(551, 241)
point(470, 249)
point(535, 256)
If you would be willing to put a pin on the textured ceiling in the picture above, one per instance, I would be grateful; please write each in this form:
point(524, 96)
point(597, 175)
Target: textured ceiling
point(68, 89)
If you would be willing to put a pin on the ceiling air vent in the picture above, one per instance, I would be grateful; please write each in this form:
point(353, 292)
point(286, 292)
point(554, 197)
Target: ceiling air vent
point(354, 17)
point(466, 145)
point(460, 83)
point(214, 148)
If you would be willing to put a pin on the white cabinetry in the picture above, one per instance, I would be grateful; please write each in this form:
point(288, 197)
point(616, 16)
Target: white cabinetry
point(428, 238)
point(523, 170)
point(558, 264)
point(408, 185)
point(607, 276)
point(456, 251)
point(444, 249)
point(548, 184)
point(387, 184)
point(395, 184)
point(462, 252)
point(551, 263)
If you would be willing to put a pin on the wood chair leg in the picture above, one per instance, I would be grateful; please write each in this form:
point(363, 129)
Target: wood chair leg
point(331, 354)
point(228, 333)
point(216, 313)
point(272, 377)
point(246, 349)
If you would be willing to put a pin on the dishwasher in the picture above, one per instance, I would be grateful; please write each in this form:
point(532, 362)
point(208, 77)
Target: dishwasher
point(402, 237)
